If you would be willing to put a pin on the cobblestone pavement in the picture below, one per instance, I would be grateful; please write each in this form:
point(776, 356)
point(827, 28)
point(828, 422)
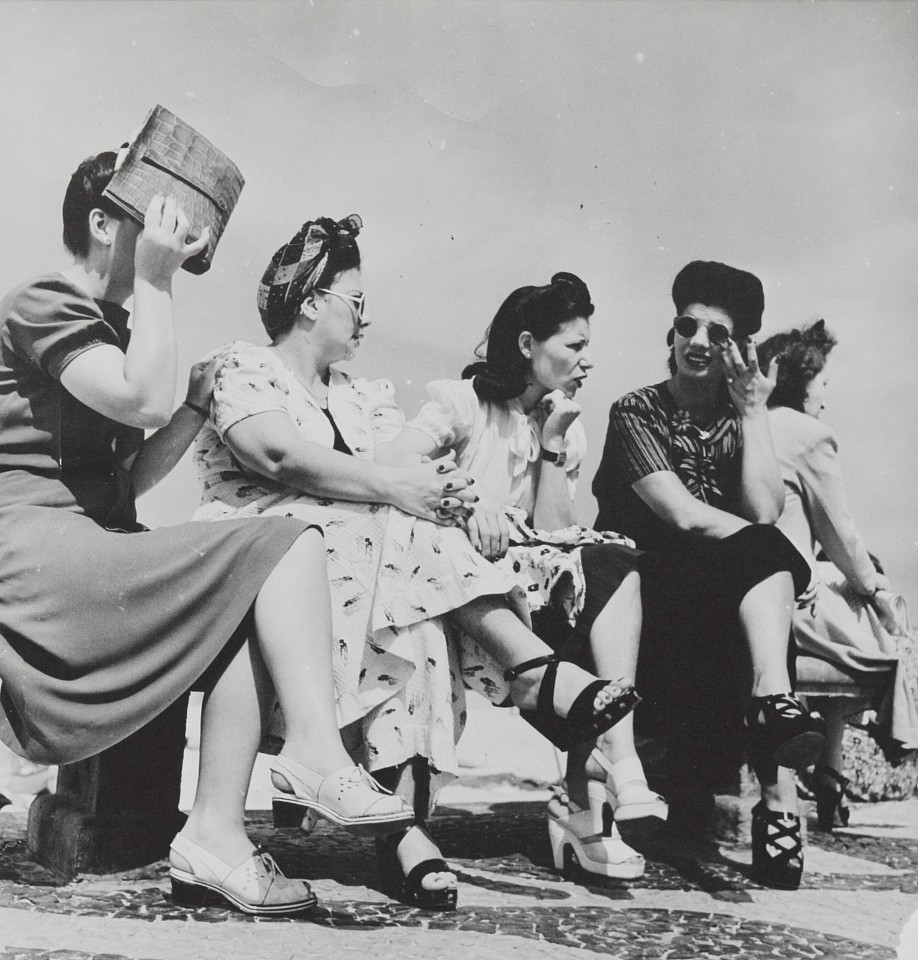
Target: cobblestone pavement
point(857, 894)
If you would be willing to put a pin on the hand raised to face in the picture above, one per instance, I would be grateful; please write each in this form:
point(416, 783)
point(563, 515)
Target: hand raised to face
point(749, 387)
point(562, 412)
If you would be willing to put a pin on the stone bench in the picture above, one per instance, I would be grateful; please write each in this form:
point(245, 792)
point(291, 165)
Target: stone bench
point(117, 810)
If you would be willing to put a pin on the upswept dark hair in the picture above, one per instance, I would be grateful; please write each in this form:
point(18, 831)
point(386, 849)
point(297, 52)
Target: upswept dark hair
point(502, 373)
point(801, 355)
point(84, 193)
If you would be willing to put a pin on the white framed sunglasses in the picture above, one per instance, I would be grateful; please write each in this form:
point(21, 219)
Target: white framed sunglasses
point(359, 301)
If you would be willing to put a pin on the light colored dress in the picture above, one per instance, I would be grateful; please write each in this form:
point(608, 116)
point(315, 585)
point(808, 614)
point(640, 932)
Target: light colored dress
point(392, 575)
point(501, 446)
point(840, 626)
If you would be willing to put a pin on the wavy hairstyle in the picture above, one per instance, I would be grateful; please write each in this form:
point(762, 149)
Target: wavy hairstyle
point(83, 195)
point(503, 372)
point(801, 355)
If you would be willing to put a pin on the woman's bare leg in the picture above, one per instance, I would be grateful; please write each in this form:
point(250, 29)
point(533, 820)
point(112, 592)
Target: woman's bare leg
point(290, 658)
point(765, 618)
point(614, 641)
point(231, 724)
point(491, 622)
point(293, 630)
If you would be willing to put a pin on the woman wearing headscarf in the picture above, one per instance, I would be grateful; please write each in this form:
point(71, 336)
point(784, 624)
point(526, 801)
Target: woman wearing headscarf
point(689, 472)
point(856, 620)
point(293, 435)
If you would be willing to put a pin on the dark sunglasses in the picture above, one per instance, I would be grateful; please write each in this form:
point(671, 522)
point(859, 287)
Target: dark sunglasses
point(688, 326)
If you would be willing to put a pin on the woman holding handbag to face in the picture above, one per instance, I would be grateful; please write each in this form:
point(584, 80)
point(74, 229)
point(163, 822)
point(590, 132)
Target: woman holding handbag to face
point(103, 623)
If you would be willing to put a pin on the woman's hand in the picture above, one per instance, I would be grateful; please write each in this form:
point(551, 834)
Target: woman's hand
point(749, 387)
point(433, 490)
point(487, 528)
point(201, 380)
point(161, 248)
point(562, 412)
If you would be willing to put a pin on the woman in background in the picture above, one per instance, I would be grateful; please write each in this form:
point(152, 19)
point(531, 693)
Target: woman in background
point(856, 621)
point(514, 424)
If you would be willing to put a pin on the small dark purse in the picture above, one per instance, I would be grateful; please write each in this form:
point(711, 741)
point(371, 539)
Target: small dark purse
point(170, 157)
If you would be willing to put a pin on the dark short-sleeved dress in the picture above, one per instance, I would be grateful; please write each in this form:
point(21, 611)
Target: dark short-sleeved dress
point(103, 623)
point(691, 651)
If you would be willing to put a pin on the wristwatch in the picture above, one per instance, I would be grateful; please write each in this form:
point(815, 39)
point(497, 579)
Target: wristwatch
point(558, 459)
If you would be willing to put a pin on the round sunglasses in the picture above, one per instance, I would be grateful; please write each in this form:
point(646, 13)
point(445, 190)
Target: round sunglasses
point(688, 326)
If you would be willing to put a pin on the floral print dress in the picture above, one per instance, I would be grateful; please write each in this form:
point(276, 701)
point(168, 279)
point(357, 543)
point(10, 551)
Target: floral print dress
point(392, 576)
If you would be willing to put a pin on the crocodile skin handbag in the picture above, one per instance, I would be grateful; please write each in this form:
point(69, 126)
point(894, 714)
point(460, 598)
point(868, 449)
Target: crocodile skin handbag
point(170, 157)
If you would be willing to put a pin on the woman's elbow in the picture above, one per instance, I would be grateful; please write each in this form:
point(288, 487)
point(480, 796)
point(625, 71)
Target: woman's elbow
point(149, 417)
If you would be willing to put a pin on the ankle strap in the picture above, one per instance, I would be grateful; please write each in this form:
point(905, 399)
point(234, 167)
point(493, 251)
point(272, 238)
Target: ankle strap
point(511, 673)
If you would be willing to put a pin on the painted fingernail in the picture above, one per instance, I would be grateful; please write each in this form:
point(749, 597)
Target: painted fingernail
point(444, 503)
point(449, 486)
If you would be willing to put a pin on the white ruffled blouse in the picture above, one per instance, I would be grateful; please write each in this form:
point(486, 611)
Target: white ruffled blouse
point(498, 443)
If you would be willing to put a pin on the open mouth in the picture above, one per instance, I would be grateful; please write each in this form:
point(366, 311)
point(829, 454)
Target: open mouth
point(698, 361)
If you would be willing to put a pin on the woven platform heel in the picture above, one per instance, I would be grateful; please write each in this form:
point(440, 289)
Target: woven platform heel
point(583, 722)
point(782, 730)
point(777, 848)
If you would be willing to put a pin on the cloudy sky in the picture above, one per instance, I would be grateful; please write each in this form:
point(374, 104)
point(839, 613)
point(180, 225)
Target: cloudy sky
point(488, 145)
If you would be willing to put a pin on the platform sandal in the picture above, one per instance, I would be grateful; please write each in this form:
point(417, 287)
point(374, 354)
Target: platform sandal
point(350, 798)
point(581, 841)
point(828, 787)
point(256, 886)
point(777, 848)
point(583, 722)
point(408, 888)
point(779, 728)
point(638, 812)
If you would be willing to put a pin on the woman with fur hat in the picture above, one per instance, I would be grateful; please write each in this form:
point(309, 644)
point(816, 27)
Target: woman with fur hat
point(689, 472)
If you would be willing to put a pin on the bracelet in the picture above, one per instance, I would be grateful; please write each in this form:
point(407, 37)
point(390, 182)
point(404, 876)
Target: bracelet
point(200, 411)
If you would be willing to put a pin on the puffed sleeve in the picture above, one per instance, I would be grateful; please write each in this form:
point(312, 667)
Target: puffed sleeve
point(245, 383)
point(51, 321)
point(820, 473)
point(637, 441)
point(448, 417)
point(386, 417)
point(575, 446)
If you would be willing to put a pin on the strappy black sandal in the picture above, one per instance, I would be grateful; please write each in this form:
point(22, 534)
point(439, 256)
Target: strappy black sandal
point(409, 889)
point(777, 848)
point(781, 729)
point(583, 722)
point(828, 787)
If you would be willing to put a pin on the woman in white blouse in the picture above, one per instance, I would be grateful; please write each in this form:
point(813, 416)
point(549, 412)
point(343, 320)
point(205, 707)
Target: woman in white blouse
point(514, 424)
point(856, 621)
point(292, 435)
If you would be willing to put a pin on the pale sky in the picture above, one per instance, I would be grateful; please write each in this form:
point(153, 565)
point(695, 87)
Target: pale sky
point(489, 145)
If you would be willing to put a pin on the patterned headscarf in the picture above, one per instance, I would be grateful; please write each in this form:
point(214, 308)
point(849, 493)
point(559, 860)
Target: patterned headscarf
point(295, 269)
